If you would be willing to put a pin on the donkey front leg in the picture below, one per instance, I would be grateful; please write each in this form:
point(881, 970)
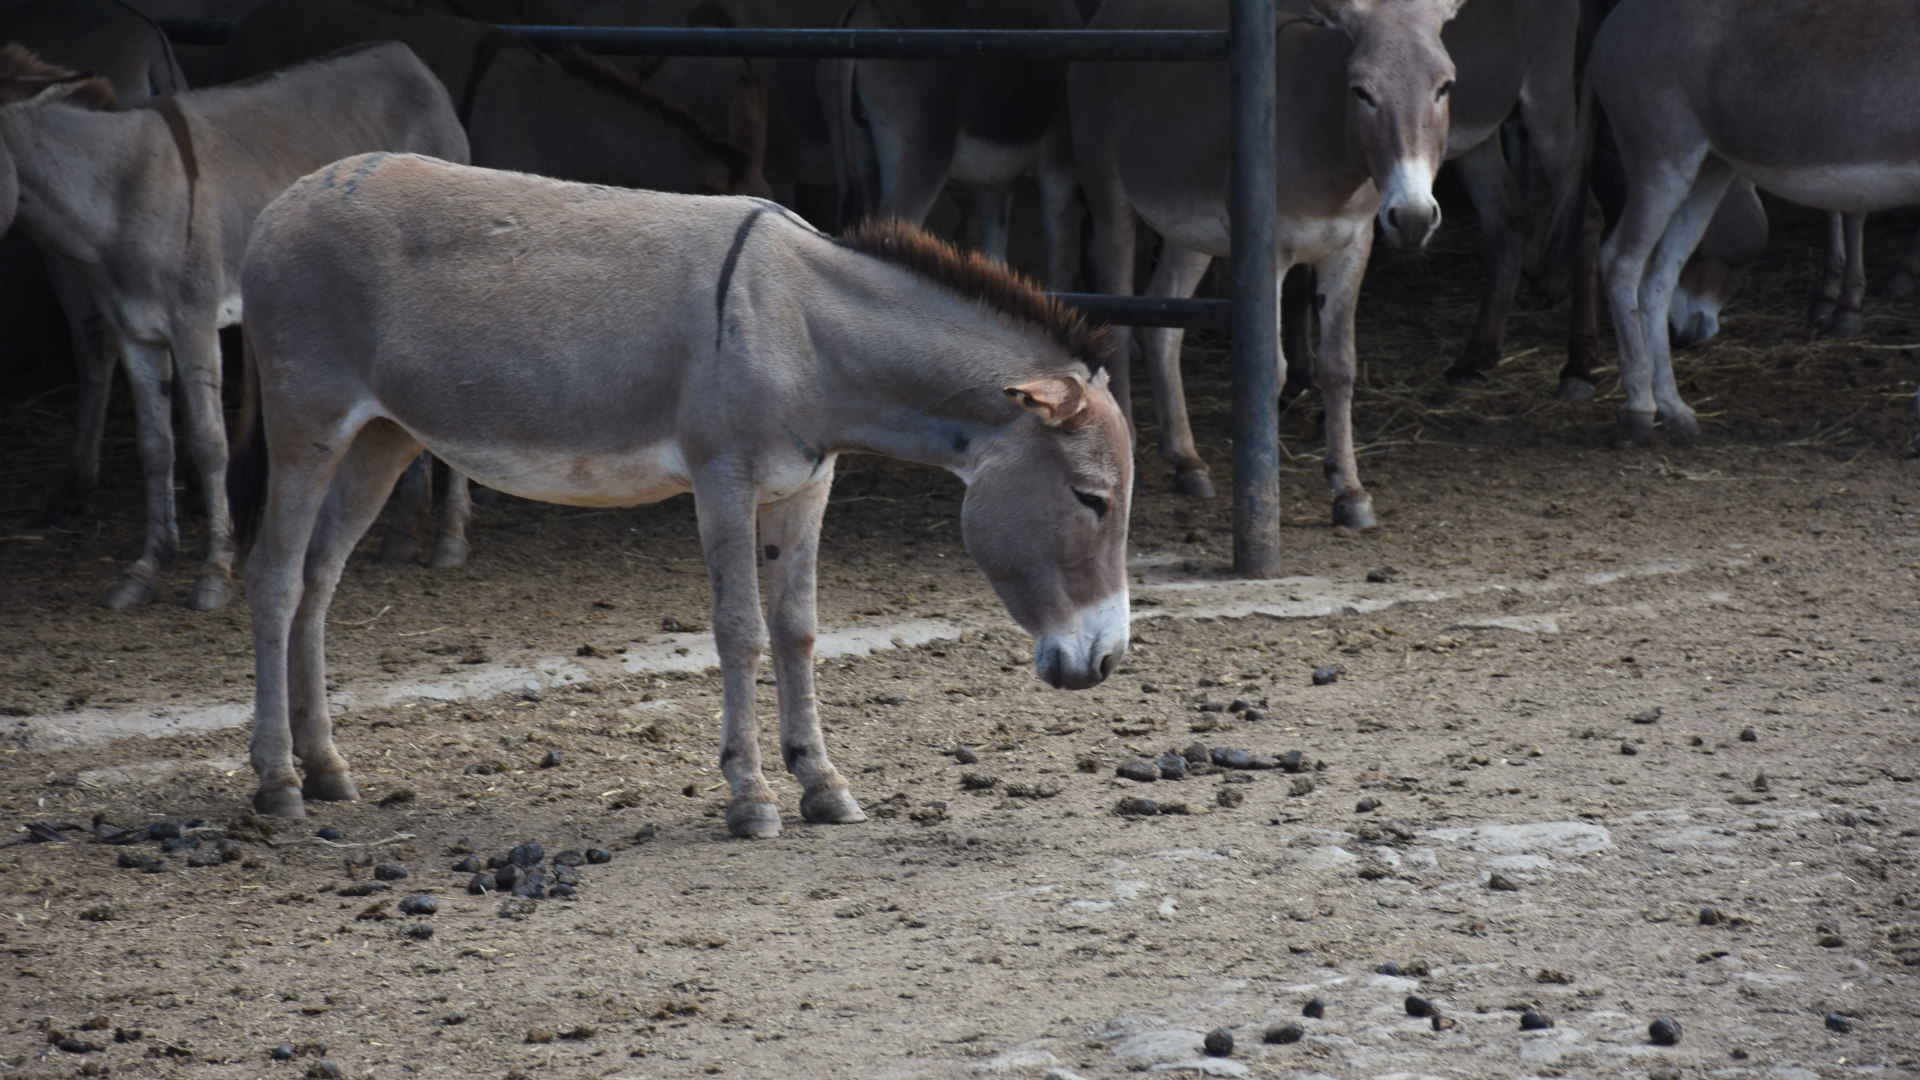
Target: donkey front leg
point(790, 542)
point(95, 357)
point(723, 502)
point(1503, 221)
point(1337, 367)
point(1176, 275)
point(197, 359)
point(150, 375)
point(450, 550)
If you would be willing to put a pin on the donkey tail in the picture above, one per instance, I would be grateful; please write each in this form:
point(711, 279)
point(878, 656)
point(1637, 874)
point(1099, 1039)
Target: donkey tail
point(247, 465)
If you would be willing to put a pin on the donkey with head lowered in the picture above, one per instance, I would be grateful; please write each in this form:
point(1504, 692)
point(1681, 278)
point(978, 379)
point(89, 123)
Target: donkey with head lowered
point(1361, 130)
point(714, 345)
point(153, 207)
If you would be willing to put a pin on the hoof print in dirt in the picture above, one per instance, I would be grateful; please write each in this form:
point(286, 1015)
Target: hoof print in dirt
point(419, 905)
point(1284, 1033)
point(596, 855)
point(1665, 1031)
point(1219, 1043)
point(389, 872)
point(1314, 1009)
point(1229, 797)
point(647, 833)
point(1533, 1021)
point(1326, 676)
point(518, 907)
point(1137, 770)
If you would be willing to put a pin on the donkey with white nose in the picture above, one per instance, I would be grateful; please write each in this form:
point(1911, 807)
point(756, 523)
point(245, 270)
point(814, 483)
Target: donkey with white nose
point(1361, 129)
point(598, 347)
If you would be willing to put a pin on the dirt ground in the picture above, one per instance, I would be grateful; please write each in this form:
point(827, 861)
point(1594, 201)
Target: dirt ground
point(1592, 691)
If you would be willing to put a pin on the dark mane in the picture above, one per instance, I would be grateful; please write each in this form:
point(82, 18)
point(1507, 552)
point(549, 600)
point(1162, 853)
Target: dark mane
point(19, 62)
point(991, 284)
point(583, 64)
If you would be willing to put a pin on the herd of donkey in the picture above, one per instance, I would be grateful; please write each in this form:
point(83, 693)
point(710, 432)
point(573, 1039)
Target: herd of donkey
point(589, 283)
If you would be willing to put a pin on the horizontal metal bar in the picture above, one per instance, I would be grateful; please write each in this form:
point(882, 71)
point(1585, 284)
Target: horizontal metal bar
point(1187, 45)
point(1151, 310)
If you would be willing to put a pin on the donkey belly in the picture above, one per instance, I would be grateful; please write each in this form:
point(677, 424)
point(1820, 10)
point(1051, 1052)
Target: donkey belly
point(572, 476)
point(979, 161)
point(1845, 188)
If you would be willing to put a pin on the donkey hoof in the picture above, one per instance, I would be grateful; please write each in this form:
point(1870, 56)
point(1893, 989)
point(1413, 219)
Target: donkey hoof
point(128, 592)
point(1462, 377)
point(279, 802)
point(1194, 482)
point(1636, 425)
point(753, 820)
point(449, 554)
point(1354, 511)
point(831, 806)
point(398, 547)
point(331, 787)
point(1575, 388)
point(1680, 423)
point(1846, 324)
point(210, 594)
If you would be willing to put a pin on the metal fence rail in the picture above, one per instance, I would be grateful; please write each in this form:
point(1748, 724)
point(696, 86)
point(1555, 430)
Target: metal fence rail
point(1248, 46)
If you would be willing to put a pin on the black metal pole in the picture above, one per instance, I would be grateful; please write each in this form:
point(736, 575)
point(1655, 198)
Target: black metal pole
point(1256, 346)
point(1186, 45)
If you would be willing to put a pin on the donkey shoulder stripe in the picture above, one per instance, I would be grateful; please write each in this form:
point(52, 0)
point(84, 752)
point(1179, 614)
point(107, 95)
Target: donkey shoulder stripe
point(726, 272)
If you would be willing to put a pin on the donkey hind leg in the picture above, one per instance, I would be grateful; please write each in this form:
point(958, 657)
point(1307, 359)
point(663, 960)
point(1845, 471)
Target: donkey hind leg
point(1846, 320)
point(1577, 381)
point(1684, 230)
point(1340, 282)
point(94, 354)
point(790, 539)
point(1653, 198)
point(450, 550)
point(1498, 202)
point(1298, 290)
point(360, 485)
point(723, 503)
point(1059, 205)
point(1906, 280)
point(197, 358)
point(1176, 274)
point(411, 523)
point(1108, 259)
point(1833, 271)
point(150, 375)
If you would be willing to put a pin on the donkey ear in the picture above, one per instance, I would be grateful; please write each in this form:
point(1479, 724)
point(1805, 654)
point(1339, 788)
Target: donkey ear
point(23, 92)
point(1058, 400)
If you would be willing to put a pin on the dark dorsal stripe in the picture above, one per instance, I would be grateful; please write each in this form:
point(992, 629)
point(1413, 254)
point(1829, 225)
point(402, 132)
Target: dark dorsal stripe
point(169, 109)
point(485, 52)
point(726, 272)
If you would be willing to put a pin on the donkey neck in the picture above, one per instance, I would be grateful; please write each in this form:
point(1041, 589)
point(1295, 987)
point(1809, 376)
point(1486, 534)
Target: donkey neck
point(1318, 161)
point(82, 174)
point(911, 370)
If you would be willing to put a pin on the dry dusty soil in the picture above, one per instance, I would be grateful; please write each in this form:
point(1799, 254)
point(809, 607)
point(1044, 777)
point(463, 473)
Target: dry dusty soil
point(1586, 694)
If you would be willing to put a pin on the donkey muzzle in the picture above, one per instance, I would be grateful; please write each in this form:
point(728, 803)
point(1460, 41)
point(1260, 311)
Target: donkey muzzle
point(1087, 653)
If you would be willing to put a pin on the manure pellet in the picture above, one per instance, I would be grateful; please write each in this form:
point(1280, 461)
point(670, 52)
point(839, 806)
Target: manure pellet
point(389, 872)
point(469, 865)
point(966, 755)
point(1172, 767)
point(1135, 806)
point(1366, 805)
point(1665, 1031)
point(1197, 753)
point(1218, 1043)
point(421, 904)
point(1839, 1023)
point(163, 830)
point(283, 1052)
point(481, 884)
point(419, 932)
point(570, 857)
point(330, 833)
point(1443, 1023)
point(1138, 771)
point(324, 1069)
point(506, 876)
point(1418, 1006)
point(563, 890)
point(1314, 1009)
point(527, 854)
point(1533, 1021)
point(598, 855)
point(1388, 968)
point(565, 875)
point(1285, 1033)
point(1326, 676)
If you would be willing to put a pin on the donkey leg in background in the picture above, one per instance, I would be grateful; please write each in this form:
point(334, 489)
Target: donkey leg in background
point(1298, 289)
point(1847, 320)
point(1059, 206)
point(1498, 202)
point(196, 354)
point(993, 205)
point(150, 376)
point(1577, 381)
point(723, 503)
point(790, 542)
point(1654, 195)
point(412, 520)
point(359, 489)
point(1177, 273)
point(450, 550)
point(1684, 230)
point(1335, 375)
point(1109, 257)
point(1833, 273)
point(95, 357)
point(1906, 280)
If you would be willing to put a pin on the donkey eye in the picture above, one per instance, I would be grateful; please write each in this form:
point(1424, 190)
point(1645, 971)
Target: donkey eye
point(1445, 89)
point(1365, 98)
point(1092, 502)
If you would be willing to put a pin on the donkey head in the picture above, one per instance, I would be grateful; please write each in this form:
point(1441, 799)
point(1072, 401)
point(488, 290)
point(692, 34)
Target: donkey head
point(1045, 517)
point(1399, 78)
